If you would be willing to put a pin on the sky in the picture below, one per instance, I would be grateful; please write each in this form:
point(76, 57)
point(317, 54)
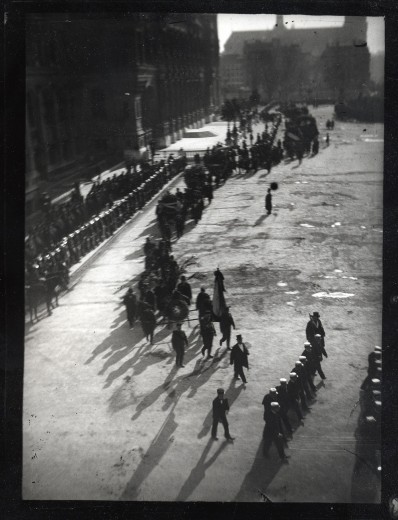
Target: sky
point(228, 23)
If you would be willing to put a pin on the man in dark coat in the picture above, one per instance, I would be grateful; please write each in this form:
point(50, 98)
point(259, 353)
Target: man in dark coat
point(220, 409)
point(273, 432)
point(201, 305)
point(179, 340)
point(307, 373)
point(130, 301)
point(148, 323)
point(305, 392)
point(314, 326)
point(226, 323)
point(268, 202)
point(185, 289)
point(208, 332)
point(239, 358)
point(319, 351)
point(293, 390)
point(283, 400)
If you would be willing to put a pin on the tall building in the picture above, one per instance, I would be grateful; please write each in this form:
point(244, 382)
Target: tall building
point(289, 63)
point(100, 88)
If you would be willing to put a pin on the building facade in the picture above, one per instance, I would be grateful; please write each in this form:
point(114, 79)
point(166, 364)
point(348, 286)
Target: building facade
point(300, 64)
point(102, 88)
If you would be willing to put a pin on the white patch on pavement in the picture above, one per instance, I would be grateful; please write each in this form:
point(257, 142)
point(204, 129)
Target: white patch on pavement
point(281, 284)
point(307, 225)
point(291, 292)
point(333, 295)
point(338, 271)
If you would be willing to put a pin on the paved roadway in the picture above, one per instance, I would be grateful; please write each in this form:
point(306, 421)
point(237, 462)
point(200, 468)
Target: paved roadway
point(106, 416)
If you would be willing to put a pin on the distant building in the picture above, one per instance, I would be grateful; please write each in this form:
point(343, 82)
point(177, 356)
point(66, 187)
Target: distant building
point(232, 72)
point(290, 61)
point(101, 88)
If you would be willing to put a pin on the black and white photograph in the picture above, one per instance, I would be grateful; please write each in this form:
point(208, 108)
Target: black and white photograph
point(203, 257)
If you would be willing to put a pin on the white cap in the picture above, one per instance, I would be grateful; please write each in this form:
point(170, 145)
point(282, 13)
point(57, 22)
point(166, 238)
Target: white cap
point(274, 404)
point(376, 393)
point(298, 363)
point(378, 348)
point(376, 382)
point(292, 375)
point(318, 336)
point(302, 358)
point(272, 390)
point(378, 404)
point(307, 344)
point(283, 380)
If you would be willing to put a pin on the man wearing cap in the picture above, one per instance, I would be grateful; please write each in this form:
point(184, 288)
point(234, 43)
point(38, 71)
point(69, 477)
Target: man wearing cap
point(293, 391)
point(304, 390)
point(273, 432)
point(178, 341)
point(185, 288)
point(226, 323)
point(314, 326)
point(220, 409)
point(283, 400)
point(239, 358)
point(307, 373)
point(374, 361)
point(314, 363)
point(269, 398)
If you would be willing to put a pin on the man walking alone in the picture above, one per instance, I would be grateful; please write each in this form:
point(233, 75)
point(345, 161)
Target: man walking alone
point(220, 409)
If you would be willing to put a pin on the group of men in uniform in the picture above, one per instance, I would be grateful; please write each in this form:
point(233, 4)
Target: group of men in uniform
point(295, 394)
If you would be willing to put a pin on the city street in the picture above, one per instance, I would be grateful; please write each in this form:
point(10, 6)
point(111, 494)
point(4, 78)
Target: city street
point(109, 417)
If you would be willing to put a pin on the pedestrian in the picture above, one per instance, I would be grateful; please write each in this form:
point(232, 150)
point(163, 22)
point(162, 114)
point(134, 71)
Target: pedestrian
point(313, 359)
point(273, 433)
point(208, 332)
point(293, 391)
point(303, 387)
point(239, 358)
point(283, 400)
point(269, 398)
point(307, 373)
point(179, 340)
point(220, 410)
point(226, 323)
point(314, 326)
point(268, 202)
point(184, 288)
point(202, 302)
point(130, 301)
point(148, 323)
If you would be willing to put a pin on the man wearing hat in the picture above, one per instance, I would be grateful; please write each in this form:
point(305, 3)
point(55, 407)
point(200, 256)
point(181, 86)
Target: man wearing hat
point(273, 432)
point(269, 398)
point(239, 358)
point(220, 409)
point(314, 326)
point(179, 340)
point(226, 323)
point(293, 391)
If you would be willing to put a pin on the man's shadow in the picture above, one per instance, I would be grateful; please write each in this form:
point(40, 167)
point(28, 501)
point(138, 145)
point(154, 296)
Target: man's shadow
point(198, 473)
point(260, 220)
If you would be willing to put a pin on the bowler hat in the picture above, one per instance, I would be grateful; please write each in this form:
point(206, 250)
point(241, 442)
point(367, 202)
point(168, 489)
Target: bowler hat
point(220, 390)
point(239, 336)
point(316, 314)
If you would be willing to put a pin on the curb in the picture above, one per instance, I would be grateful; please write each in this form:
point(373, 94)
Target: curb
point(75, 275)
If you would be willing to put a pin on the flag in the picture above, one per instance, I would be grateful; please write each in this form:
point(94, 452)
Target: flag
point(219, 305)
